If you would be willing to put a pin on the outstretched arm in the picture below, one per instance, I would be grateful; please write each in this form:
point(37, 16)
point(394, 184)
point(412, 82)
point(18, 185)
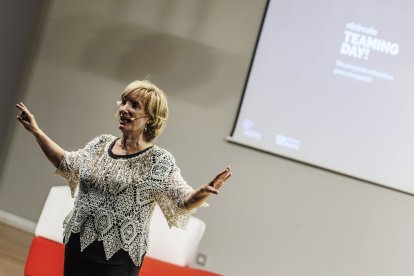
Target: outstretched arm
point(200, 195)
point(52, 150)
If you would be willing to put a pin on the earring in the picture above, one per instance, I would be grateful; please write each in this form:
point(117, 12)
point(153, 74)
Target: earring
point(145, 128)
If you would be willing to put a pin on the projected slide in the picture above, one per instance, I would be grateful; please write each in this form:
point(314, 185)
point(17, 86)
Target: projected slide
point(332, 84)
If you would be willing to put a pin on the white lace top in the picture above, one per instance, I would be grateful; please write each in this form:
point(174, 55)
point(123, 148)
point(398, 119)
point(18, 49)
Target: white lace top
point(117, 195)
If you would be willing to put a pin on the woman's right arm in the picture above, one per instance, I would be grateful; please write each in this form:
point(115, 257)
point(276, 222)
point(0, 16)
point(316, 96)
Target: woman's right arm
point(52, 150)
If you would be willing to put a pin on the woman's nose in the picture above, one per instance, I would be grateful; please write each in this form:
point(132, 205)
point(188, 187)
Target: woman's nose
point(124, 108)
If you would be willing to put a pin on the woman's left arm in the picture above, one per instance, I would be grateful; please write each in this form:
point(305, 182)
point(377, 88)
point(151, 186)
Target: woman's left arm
point(197, 197)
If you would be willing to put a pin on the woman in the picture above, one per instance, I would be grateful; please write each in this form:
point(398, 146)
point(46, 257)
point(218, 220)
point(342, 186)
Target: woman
point(118, 182)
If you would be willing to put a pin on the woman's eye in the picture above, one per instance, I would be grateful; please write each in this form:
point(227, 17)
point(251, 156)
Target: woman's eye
point(136, 104)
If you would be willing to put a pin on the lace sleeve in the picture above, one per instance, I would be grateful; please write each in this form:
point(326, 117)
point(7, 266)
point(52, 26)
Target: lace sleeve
point(71, 163)
point(174, 190)
point(69, 168)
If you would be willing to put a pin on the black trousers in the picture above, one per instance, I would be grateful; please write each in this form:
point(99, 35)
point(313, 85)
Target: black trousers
point(92, 261)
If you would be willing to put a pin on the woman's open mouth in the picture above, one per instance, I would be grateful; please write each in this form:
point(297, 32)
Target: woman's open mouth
point(124, 120)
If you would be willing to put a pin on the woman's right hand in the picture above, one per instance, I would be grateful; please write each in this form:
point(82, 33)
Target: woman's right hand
point(52, 150)
point(27, 119)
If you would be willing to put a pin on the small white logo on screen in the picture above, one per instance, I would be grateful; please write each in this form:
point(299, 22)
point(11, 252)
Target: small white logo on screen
point(248, 130)
point(287, 142)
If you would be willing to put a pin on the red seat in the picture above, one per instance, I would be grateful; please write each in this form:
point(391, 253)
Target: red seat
point(46, 259)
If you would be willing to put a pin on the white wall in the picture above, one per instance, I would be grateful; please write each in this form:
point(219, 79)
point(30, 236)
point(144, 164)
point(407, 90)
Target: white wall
point(276, 216)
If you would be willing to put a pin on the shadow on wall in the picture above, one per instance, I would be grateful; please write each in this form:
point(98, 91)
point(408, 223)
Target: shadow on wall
point(126, 52)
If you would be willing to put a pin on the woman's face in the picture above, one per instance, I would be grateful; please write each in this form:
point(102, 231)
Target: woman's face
point(132, 116)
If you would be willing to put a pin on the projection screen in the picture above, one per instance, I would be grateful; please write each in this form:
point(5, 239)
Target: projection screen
point(331, 84)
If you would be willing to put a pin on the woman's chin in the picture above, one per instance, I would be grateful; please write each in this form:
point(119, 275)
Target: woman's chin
point(124, 129)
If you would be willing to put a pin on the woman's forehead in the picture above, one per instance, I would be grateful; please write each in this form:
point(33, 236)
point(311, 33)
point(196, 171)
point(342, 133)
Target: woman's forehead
point(134, 95)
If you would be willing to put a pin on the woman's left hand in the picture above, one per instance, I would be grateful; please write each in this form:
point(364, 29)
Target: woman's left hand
point(198, 196)
point(217, 182)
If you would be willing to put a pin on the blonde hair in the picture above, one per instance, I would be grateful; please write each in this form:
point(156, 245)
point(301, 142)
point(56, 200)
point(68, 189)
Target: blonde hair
point(155, 106)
